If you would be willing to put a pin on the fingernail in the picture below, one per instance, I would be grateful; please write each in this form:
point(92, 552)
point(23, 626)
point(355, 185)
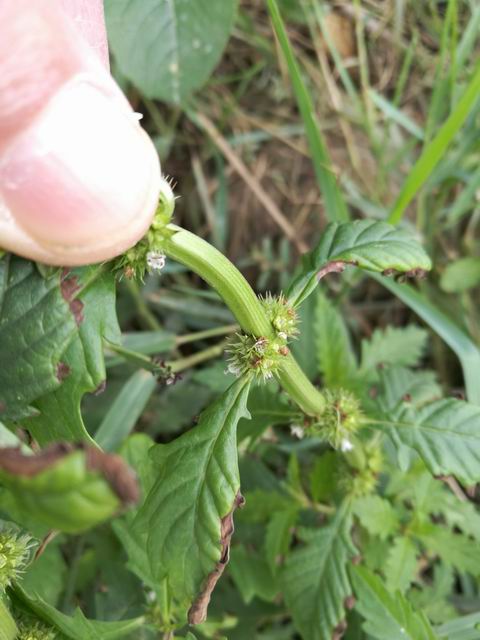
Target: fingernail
point(83, 172)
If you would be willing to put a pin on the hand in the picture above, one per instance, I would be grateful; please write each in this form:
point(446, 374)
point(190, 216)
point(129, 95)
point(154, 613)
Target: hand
point(79, 178)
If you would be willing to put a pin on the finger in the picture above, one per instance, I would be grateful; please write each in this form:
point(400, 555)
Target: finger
point(88, 18)
point(79, 178)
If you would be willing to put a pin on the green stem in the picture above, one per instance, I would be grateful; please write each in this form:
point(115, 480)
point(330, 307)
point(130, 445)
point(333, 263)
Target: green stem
point(224, 277)
point(8, 628)
point(208, 333)
point(201, 356)
point(144, 312)
point(219, 272)
point(139, 359)
point(72, 575)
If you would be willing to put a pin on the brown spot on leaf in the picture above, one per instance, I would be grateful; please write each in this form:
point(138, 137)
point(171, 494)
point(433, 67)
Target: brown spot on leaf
point(116, 472)
point(3, 407)
point(69, 287)
point(339, 630)
point(101, 388)
point(62, 371)
point(356, 560)
point(113, 468)
point(336, 266)
point(51, 535)
point(388, 272)
point(13, 461)
point(198, 611)
point(349, 602)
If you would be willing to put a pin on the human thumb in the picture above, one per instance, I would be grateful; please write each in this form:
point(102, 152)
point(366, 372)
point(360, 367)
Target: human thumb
point(79, 178)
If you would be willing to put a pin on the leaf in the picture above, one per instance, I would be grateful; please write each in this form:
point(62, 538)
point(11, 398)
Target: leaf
point(125, 410)
point(78, 627)
point(8, 628)
point(195, 493)
point(464, 628)
point(367, 244)
point(401, 565)
point(68, 488)
point(386, 615)
point(315, 580)
point(454, 549)
point(36, 327)
point(445, 434)
point(434, 151)
point(278, 536)
point(455, 337)
point(252, 575)
point(435, 598)
point(267, 407)
point(302, 348)
point(322, 476)
point(400, 384)
point(462, 515)
point(83, 365)
point(294, 478)
point(260, 505)
point(168, 48)
point(376, 515)
point(146, 342)
point(461, 275)
point(45, 576)
point(335, 206)
point(336, 359)
point(136, 452)
point(393, 345)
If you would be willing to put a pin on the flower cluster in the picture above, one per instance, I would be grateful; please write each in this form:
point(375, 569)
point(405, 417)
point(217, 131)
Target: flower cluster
point(363, 478)
point(282, 316)
point(147, 254)
point(14, 555)
point(35, 631)
point(261, 356)
point(340, 420)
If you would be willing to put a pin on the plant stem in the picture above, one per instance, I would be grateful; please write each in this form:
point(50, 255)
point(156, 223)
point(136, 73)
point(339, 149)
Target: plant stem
point(144, 312)
point(208, 333)
point(299, 388)
point(8, 628)
point(201, 356)
point(72, 575)
point(219, 272)
point(224, 277)
point(139, 359)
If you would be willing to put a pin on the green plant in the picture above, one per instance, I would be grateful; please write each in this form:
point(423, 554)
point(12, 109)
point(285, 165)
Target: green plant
point(346, 472)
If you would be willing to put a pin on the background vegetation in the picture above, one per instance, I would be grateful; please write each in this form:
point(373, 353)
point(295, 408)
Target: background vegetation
point(394, 87)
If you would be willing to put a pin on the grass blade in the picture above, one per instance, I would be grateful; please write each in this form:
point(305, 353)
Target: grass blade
point(335, 207)
point(434, 151)
point(125, 410)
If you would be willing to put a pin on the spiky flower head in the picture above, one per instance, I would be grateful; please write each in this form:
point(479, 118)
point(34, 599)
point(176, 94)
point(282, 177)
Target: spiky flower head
point(340, 420)
point(14, 555)
point(35, 631)
point(147, 254)
point(282, 315)
point(260, 356)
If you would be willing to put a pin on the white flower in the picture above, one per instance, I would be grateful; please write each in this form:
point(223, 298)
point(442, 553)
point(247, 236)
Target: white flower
point(156, 260)
point(232, 368)
point(346, 445)
point(297, 431)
